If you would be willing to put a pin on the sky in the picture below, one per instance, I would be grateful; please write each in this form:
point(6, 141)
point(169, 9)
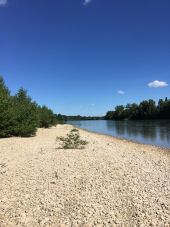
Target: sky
point(86, 56)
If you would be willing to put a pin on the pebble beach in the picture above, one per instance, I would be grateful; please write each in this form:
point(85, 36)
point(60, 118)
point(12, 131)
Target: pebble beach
point(112, 182)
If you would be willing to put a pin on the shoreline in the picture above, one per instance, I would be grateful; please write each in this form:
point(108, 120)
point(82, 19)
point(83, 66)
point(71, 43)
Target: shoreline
point(112, 182)
point(166, 149)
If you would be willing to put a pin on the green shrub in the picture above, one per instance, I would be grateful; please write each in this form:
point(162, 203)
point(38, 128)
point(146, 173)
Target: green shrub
point(72, 141)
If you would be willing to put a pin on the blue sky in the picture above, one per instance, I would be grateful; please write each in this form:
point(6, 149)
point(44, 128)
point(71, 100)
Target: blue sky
point(85, 57)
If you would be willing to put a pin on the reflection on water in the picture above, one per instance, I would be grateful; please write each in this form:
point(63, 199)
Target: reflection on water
point(149, 132)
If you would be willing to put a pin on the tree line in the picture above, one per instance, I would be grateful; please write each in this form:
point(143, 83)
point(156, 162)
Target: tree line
point(146, 110)
point(20, 116)
point(78, 118)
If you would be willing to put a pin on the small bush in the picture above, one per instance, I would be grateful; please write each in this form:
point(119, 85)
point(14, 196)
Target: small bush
point(72, 141)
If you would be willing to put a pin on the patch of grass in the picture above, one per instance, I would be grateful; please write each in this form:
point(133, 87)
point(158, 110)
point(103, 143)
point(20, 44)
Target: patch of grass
point(71, 141)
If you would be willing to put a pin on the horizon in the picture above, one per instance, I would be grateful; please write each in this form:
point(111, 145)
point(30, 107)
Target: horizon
point(86, 57)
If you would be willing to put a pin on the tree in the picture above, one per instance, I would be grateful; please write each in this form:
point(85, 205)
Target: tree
point(59, 118)
point(133, 112)
point(119, 112)
point(25, 115)
point(46, 117)
point(164, 108)
point(5, 110)
point(20, 116)
point(146, 110)
point(109, 115)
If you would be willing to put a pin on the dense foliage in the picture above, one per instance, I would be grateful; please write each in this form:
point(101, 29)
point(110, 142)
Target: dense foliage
point(5, 110)
point(20, 116)
point(25, 118)
point(146, 110)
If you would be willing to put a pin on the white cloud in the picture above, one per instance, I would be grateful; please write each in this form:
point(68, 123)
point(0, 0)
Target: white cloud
point(3, 2)
point(120, 92)
point(86, 2)
point(157, 84)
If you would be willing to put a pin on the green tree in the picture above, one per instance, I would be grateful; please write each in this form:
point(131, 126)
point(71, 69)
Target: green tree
point(133, 111)
point(5, 110)
point(109, 115)
point(59, 118)
point(119, 113)
point(25, 115)
point(164, 108)
point(46, 117)
point(147, 109)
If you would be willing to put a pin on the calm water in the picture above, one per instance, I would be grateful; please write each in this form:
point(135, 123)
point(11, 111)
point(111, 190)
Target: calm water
point(148, 132)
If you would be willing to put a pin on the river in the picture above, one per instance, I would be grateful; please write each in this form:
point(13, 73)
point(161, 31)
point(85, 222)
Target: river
point(146, 132)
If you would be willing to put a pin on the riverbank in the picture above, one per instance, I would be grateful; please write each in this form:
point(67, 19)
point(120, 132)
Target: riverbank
point(111, 182)
point(151, 132)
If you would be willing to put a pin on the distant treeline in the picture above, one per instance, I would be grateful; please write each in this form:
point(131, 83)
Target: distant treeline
point(78, 118)
point(146, 110)
point(20, 116)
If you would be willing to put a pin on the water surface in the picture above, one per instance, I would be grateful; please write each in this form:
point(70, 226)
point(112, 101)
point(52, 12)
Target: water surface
point(147, 132)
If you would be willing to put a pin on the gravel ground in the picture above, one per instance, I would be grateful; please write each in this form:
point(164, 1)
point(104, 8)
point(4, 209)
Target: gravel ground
point(111, 182)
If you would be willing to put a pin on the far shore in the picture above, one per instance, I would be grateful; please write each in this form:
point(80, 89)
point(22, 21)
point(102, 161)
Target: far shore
point(112, 182)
